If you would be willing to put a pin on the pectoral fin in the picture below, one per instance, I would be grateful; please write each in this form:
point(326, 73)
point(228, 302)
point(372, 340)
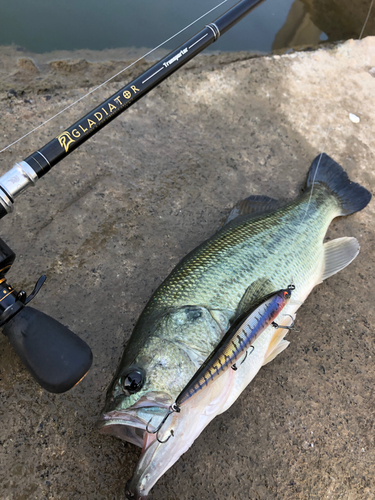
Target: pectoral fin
point(283, 344)
point(255, 293)
point(276, 346)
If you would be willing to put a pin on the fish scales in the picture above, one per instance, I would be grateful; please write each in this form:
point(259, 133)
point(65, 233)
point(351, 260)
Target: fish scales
point(260, 247)
point(206, 275)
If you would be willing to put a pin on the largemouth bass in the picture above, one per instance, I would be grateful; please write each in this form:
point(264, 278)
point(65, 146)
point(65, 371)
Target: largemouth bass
point(259, 250)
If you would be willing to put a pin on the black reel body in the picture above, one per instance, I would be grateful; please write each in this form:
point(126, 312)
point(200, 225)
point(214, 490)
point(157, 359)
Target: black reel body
point(55, 356)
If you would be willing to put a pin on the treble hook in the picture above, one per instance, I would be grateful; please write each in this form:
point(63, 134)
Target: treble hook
point(290, 327)
point(174, 408)
point(234, 366)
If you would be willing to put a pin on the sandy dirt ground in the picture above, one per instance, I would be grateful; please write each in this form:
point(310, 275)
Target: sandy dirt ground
point(110, 222)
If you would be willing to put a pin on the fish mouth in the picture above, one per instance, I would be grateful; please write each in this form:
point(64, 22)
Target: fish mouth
point(130, 424)
point(123, 427)
point(135, 425)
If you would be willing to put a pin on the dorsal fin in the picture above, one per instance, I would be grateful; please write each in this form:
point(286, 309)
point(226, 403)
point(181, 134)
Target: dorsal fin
point(253, 205)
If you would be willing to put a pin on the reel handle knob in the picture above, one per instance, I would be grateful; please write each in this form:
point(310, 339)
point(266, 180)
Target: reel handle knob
point(55, 356)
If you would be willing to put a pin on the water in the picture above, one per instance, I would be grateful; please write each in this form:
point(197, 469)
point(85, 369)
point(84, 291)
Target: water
point(43, 26)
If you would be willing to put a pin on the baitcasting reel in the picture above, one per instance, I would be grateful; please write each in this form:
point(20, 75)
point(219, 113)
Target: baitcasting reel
point(56, 357)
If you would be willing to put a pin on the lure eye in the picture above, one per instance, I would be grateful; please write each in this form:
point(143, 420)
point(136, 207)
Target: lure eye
point(132, 380)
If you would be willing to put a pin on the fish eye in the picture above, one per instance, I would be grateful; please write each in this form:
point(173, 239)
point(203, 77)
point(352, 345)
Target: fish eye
point(132, 380)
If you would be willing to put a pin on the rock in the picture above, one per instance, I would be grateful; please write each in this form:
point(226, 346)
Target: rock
point(27, 64)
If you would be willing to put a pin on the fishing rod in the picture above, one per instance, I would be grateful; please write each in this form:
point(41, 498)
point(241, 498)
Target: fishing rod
point(56, 357)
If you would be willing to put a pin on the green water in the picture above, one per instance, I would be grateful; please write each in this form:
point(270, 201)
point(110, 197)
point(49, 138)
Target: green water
point(46, 25)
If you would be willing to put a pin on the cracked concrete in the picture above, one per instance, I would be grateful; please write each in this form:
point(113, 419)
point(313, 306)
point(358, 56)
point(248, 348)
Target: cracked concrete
point(110, 222)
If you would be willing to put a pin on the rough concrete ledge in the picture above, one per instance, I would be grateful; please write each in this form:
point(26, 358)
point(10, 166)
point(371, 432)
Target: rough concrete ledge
point(110, 222)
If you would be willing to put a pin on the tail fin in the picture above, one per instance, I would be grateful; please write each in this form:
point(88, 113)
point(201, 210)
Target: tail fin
point(352, 196)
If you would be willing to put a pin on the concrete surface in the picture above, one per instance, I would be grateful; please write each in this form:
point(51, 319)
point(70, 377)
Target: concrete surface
point(110, 222)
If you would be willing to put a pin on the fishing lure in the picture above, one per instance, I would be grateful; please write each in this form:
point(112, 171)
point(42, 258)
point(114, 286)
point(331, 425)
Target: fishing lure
point(235, 343)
